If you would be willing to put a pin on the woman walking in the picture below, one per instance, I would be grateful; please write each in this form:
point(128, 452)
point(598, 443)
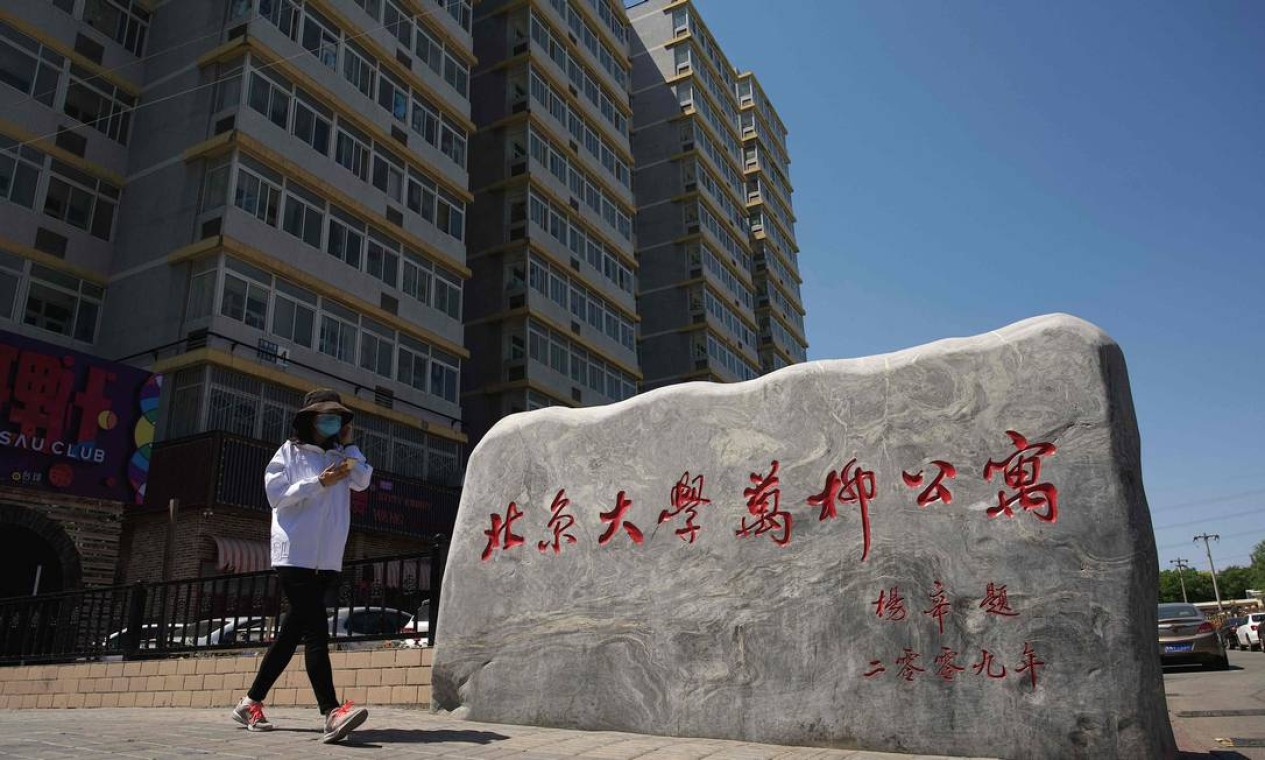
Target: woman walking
point(309, 483)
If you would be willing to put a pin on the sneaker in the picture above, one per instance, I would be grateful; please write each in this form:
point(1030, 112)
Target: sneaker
point(250, 714)
point(342, 721)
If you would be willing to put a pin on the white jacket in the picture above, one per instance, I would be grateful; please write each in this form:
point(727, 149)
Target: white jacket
point(310, 521)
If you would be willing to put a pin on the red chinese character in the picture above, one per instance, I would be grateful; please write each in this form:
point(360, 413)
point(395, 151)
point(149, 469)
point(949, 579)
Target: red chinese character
point(559, 524)
point(845, 488)
point(687, 496)
point(892, 607)
point(937, 491)
point(946, 667)
point(1021, 471)
point(764, 488)
point(939, 607)
point(1030, 663)
point(995, 602)
point(92, 401)
point(616, 518)
point(41, 393)
point(876, 668)
point(986, 663)
point(501, 534)
point(907, 664)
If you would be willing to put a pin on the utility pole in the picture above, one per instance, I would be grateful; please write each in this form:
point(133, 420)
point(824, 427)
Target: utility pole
point(1208, 548)
point(1181, 565)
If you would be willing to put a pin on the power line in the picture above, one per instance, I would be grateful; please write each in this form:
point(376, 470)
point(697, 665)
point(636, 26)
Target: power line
point(195, 88)
point(1210, 500)
point(1238, 534)
point(1244, 513)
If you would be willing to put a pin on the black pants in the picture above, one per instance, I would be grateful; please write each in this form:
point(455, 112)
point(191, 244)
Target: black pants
point(305, 590)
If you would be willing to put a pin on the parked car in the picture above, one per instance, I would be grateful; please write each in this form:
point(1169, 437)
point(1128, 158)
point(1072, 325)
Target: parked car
point(349, 622)
point(175, 636)
point(1249, 631)
point(1186, 637)
point(235, 630)
point(1228, 634)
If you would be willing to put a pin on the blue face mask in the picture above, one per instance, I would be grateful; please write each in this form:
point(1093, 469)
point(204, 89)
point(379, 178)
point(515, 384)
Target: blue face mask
point(328, 425)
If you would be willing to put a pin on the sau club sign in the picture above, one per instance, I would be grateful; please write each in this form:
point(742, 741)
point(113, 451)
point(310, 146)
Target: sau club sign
point(73, 423)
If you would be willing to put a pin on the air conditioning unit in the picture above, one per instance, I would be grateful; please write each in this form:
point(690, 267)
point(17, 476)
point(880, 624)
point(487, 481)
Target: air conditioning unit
point(517, 168)
point(271, 353)
point(520, 48)
point(691, 187)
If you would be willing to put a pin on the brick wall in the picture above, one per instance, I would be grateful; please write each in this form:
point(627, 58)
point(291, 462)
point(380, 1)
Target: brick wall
point(388, 676)
point(93, 527)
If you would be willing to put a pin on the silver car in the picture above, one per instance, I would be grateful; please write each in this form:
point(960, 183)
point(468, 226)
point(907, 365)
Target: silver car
point(1187, 637)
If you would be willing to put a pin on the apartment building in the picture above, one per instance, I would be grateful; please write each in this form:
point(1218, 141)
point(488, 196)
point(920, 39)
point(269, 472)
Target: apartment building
point(719, 287)
point(252, 198)
point(551, 309)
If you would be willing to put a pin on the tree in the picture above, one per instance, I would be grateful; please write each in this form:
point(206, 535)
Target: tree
point(1198, 586)
point(1258, 567)
point(1234, 582)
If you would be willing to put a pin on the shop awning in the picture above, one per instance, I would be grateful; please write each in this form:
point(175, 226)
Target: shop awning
point(239, 555)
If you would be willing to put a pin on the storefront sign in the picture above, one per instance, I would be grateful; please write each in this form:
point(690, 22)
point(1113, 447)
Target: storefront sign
point(74, 423)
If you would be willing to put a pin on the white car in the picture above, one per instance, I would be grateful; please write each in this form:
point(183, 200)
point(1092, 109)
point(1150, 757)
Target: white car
point(1249, 631)
point(350, 622)
point(236, 630)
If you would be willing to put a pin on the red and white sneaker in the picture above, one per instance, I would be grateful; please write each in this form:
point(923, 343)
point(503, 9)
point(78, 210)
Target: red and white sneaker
point(250, 714)
point(342, 721)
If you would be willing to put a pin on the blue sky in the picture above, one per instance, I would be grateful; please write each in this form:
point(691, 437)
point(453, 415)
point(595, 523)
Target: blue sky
point(961, 166)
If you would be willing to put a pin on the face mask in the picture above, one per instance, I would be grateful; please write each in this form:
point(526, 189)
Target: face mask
point(328, 425)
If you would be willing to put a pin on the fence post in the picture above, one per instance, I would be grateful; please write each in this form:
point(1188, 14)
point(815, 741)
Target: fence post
point(135, 620)
point(438, 558)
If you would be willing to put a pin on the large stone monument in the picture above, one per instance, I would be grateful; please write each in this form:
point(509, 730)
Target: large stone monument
point(941, 550)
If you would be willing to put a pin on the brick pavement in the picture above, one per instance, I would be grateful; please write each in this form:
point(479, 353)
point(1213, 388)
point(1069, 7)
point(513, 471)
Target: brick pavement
point(161, 733)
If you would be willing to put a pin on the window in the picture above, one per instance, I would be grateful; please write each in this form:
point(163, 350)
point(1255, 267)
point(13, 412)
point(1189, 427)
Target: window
point(352, 152)
point(398, 23)
point(452, 143)
point(258, 196)
point(447, 292)
point(312, 123)
point(320, 39)
point(393, 96)
point(28, 66)
point(421, 195)
point(388, 174)
point(429, 51)
point(450, 215)
point(384, 259)
point(456, 74)
point(417, 277)
point(202, 276)
point(294, 314)
point(338, 333)
point(443, 375)
point(304, 215)
point(81, 200)
point(346, 238)
point(124, 22)
point(100, 105)
point(245, 297)
point(215, 185)
point(358, 69)
point(62, 304)
point(19, 172)
point(413, 357)
point(377, 348)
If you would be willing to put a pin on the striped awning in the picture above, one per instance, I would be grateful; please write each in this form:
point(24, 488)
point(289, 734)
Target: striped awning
point(239, 555)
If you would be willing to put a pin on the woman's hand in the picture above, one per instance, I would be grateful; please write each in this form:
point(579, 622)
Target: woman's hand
point(335, 472)
point(346, 435)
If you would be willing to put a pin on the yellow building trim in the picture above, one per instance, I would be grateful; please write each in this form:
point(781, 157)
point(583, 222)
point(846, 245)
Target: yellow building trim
point(261, 152)
point(52, 262)
point(732, 129)
point(298, 276)
point(715, 332)
point(386, 58)
point(775, 216)
point(46, 145)
point(428, 13)
point(533, 246)
point(254, 369)
point(242, 45)
point(605, 33)
point(527, 383)
point(697, 154)
point(790, 328)
point(63, 49)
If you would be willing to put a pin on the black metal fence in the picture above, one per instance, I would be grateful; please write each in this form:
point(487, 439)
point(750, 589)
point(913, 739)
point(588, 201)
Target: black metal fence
point(385, 598)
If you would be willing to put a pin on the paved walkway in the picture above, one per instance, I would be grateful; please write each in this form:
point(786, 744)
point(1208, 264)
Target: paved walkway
point(161, 733)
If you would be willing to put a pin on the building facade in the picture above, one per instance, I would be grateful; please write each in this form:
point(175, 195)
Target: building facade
point(253, 198)
point(719, 287)
point(552, 311)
